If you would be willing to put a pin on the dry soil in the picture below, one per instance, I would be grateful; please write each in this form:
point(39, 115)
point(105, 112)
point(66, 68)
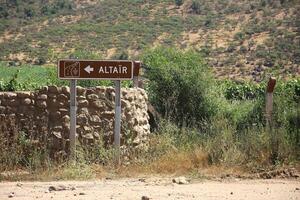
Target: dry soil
point(153, 188)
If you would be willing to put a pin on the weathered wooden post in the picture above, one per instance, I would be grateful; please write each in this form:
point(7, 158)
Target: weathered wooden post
point(136, 69)
point(269, 120)
point(269, 100)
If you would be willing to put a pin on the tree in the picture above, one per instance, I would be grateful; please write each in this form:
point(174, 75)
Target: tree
point(180, 85)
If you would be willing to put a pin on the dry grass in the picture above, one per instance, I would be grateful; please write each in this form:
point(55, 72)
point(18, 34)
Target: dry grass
point(180, 162)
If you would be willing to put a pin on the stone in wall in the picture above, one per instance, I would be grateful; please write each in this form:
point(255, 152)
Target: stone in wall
point(43, 116)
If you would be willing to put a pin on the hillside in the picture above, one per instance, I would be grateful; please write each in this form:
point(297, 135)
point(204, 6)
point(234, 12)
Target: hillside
point(242, 40)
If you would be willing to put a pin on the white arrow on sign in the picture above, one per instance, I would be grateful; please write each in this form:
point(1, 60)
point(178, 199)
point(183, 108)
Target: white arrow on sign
point(89, 69)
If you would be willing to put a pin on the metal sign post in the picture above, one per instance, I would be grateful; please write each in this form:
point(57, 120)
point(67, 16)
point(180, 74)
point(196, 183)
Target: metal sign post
point(73, 108)
point(117, 127)
point(73, 69)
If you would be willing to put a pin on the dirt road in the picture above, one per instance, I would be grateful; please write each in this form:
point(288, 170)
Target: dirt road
point(153, 188)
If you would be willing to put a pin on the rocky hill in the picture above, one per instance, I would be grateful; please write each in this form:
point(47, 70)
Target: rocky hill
point(241, 39)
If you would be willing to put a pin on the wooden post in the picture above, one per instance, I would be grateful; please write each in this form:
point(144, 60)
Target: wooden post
point(269, 100)
point(136, 70)
point(135, 81)
point(269, 122)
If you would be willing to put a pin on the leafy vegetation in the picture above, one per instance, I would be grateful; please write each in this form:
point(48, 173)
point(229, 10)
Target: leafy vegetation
point(235, 131)
point(260, 35)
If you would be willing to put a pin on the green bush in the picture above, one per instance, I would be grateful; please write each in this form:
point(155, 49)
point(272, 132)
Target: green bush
point(196, 7)
point(178, 2)
point(179, 85)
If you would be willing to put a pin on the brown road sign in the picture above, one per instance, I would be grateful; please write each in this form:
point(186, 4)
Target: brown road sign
point(95, 69)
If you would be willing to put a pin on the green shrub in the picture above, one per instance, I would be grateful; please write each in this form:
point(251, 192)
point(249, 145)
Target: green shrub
point(196, 7)
point(180, 85)
point(178, 2)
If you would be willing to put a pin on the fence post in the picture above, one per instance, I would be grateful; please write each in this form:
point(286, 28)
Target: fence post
point(269, 118)
point(269, 100)
point(136, 70)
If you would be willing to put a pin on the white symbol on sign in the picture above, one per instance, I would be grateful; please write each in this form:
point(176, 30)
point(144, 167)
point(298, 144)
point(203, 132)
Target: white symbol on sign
point(89, 69)
point(72, 69)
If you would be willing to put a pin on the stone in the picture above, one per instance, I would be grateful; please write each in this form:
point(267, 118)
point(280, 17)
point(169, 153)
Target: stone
point(44, 89)
point(82, 119)
point(42, 97)
point(96, 135)
point(19, 184)
point(82, 193)
point(108, 115)
point(57, 188)
point(57, 114)
point(10, 95)
point(87, 129)
point(56, 134)
point(2, 109)
point(57, 128)
point(11, 102)
point(62, 97)
point(53, 89)
point(53, 103)
point(88, 136)
point(63, 104)
point(63, 111)
point(145, 198)
point(92, 97)
point(79, 98)
point(66, 119)
point(41, 104)
point(26, 101)
point(80, 91)
point(130, 99)
point(24, 94)
point(97, 104)
point(52, 96)
point(11, 195)
point(100, 89)
point(83, 111)
point(95, 119)
point(65, 90)
point(110, 90)
point(83, 103)
point(90, 91)
point(180, 180)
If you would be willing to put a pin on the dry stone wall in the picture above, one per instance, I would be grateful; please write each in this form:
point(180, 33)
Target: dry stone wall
point(43, 116)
